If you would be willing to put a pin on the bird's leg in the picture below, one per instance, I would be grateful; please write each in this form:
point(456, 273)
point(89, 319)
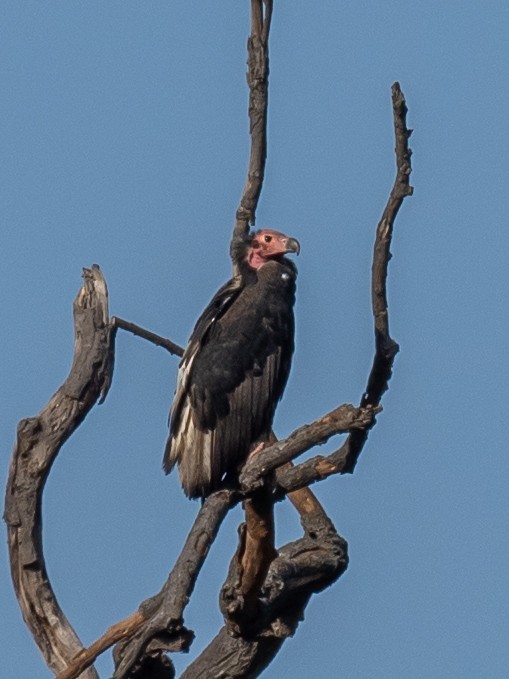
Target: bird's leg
point(256, 447)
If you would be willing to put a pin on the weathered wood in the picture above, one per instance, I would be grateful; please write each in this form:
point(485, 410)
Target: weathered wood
point(301, 568)
point(252, 560)
point(341, 420)
point(164, 610)
point(39, 440)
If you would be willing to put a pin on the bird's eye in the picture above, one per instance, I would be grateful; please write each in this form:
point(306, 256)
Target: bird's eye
point(267, 239)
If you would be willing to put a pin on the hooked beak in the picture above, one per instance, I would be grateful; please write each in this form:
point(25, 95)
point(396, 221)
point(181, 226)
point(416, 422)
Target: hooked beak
point(292, 245)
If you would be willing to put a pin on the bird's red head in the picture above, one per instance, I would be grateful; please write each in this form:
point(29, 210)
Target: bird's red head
point(267, 244)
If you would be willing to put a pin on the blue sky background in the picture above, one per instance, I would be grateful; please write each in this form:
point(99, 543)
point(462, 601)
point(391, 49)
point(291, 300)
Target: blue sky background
point(125, 142)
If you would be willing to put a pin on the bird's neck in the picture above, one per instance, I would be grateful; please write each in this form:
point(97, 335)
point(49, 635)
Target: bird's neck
point(255, 261)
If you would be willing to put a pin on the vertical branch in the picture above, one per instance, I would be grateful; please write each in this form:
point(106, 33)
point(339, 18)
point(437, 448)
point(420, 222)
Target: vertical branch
point(386, 348)
point(39, 440)
point(258, 81)
point(343, 461)
point(257, 540)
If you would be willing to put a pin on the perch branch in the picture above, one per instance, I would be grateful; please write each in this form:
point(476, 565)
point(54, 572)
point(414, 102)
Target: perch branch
point(162, 613)
point(39, 440)
point(343, 419)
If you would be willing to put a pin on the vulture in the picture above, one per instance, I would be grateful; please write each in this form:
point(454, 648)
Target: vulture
point(235, 367)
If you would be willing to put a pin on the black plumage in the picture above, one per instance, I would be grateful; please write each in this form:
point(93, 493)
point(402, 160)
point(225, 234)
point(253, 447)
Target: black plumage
point(235, 367)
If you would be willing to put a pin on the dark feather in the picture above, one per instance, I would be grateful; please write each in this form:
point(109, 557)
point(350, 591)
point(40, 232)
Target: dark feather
point(231, 376)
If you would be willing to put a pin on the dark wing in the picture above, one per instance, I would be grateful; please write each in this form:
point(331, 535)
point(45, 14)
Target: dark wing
point(232, 375)
point(178, 419)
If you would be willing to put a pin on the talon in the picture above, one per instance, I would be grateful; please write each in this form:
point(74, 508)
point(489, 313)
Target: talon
point(256, 448)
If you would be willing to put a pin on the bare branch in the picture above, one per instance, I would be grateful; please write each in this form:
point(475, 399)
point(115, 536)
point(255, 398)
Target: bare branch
point(39, 440)
point(137, 330)
point(121, 630)
point(258, 81)
point(252, 560)
point(343, 461)
point(164, 611)
point(302, 568)
point(386, 348)
point(343, 419)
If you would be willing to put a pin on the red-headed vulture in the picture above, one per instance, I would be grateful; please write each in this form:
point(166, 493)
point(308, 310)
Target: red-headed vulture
point(235, 367)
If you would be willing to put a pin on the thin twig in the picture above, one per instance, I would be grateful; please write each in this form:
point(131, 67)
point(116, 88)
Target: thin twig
point(137, 330)
point(121, 630)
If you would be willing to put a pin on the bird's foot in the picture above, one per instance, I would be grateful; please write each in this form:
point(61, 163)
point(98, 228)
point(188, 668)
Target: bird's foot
point(255, 449)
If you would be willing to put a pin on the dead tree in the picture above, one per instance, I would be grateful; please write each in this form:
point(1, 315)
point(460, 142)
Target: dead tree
point(266, 592)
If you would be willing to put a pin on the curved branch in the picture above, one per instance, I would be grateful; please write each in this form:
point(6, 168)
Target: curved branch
point(343, 461)
point(39, 440)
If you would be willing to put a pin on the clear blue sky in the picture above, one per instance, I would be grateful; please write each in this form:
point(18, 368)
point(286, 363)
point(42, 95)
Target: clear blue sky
point(124, 142)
